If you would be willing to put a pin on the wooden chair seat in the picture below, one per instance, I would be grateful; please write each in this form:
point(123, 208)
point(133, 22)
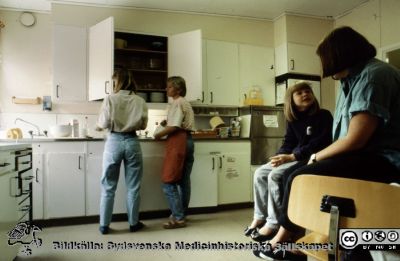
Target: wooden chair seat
point(377, 206)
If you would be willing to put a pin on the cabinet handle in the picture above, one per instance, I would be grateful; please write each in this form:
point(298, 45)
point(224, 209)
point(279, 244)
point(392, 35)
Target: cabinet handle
point(202, 97)
point(57, 91)
point(36, 175)
point(245, 96)
point(220, 162)
point(79, 162)
point(105, 87)
point(4, 164)
point(212, 98)
point(25, 162)
point(213, 160)
point(291, 64)
point(11, 188)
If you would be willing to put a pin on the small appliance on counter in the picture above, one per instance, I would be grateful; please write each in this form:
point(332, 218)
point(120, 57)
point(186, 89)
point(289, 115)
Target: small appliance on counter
point(286, 80)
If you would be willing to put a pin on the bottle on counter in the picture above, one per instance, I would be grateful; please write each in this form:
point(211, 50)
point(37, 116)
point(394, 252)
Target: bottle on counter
point(75, 128)
point(83, 131)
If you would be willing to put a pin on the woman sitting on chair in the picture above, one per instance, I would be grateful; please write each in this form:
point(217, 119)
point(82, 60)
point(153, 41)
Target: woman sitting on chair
point(366, 126)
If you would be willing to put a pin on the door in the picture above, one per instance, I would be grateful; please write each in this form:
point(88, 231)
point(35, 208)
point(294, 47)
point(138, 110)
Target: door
point(223, 73)
point(69, 61)
point(101, 59)
point(204, 180)
point(185, 59)
point(256, 69)
point(65, 185)
point(93, 182)
point(303, 59)
point(151, 181)
point(234, 178)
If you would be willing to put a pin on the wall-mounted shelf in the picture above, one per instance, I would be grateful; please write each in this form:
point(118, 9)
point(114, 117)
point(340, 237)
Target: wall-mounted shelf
point(24, 100)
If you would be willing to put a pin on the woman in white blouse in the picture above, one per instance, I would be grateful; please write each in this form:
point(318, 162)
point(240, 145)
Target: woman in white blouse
point(179, 158)
point(122, 113)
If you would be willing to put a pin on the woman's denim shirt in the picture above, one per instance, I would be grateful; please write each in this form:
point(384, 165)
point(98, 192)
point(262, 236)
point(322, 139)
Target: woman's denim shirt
point(372, 87)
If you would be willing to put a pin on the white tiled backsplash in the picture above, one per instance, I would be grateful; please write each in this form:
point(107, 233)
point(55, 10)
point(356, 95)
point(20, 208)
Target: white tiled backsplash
point(44, 121)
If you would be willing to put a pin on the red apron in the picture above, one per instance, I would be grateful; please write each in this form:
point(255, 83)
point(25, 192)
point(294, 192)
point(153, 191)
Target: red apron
point(175, 153)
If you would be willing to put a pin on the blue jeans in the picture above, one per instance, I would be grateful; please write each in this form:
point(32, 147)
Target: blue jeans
point(118, 147)
point(178, 194)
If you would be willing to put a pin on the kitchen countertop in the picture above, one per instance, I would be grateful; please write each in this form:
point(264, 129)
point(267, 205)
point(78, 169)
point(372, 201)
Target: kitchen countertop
point(28, 141)
point(11, 146)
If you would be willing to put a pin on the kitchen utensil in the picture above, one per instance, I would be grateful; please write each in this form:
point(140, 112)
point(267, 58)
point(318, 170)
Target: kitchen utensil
point(223, 132)
point(157, 97)
point(216, 122)
point(14, 133)
point(61, 130)
point(235, 131)
point(120, 43)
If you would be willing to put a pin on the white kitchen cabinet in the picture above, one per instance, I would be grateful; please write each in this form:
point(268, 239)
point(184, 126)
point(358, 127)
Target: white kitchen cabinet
point(8, 213)
point(256, 69)
point(152, 195)
point(153, 156)
point(64, 195)
point(93, 179)
point(296, 58)
point(69, 63)
point(101, 59)
point(233, 178)
point(204, 176)
point(184, 60)
point(222, 169)
point(222, 73)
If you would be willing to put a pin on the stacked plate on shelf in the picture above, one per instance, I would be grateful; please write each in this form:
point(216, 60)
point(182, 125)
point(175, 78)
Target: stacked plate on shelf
point(157, 97)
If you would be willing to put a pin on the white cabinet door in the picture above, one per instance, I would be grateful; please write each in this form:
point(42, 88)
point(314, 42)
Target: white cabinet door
point(69, 63)
point(101, 59)
point(296, 58)
point(37, 183)
point(303, 59)
point(256, 70)
point(93, 179)
point(222, 73)
point(233, 179)
point(204, 180)
point(152, 195)
point(281, 59)
point(8, 214)
point(185, 59)
point(65, 184)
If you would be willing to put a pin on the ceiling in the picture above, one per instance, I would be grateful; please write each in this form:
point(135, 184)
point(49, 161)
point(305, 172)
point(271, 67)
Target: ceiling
point(261, 9)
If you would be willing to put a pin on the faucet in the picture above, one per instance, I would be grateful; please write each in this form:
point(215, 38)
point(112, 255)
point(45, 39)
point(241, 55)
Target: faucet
point(34, 125)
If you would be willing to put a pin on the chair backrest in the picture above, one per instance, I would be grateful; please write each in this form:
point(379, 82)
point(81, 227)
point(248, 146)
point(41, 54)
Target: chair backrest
point(377, 204)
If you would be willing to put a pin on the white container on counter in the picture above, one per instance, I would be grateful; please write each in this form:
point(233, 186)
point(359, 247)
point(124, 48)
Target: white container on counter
point(75, 128)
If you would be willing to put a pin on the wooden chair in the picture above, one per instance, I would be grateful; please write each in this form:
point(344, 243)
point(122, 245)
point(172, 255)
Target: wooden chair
point(376, 206)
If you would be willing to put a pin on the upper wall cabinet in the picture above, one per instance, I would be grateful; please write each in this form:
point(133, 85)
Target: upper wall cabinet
point(256, 70)
point(101, 59)
point(151, 59)
point(69, 63)
point(185, 59)
point(222, 73)
point(296, 58)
